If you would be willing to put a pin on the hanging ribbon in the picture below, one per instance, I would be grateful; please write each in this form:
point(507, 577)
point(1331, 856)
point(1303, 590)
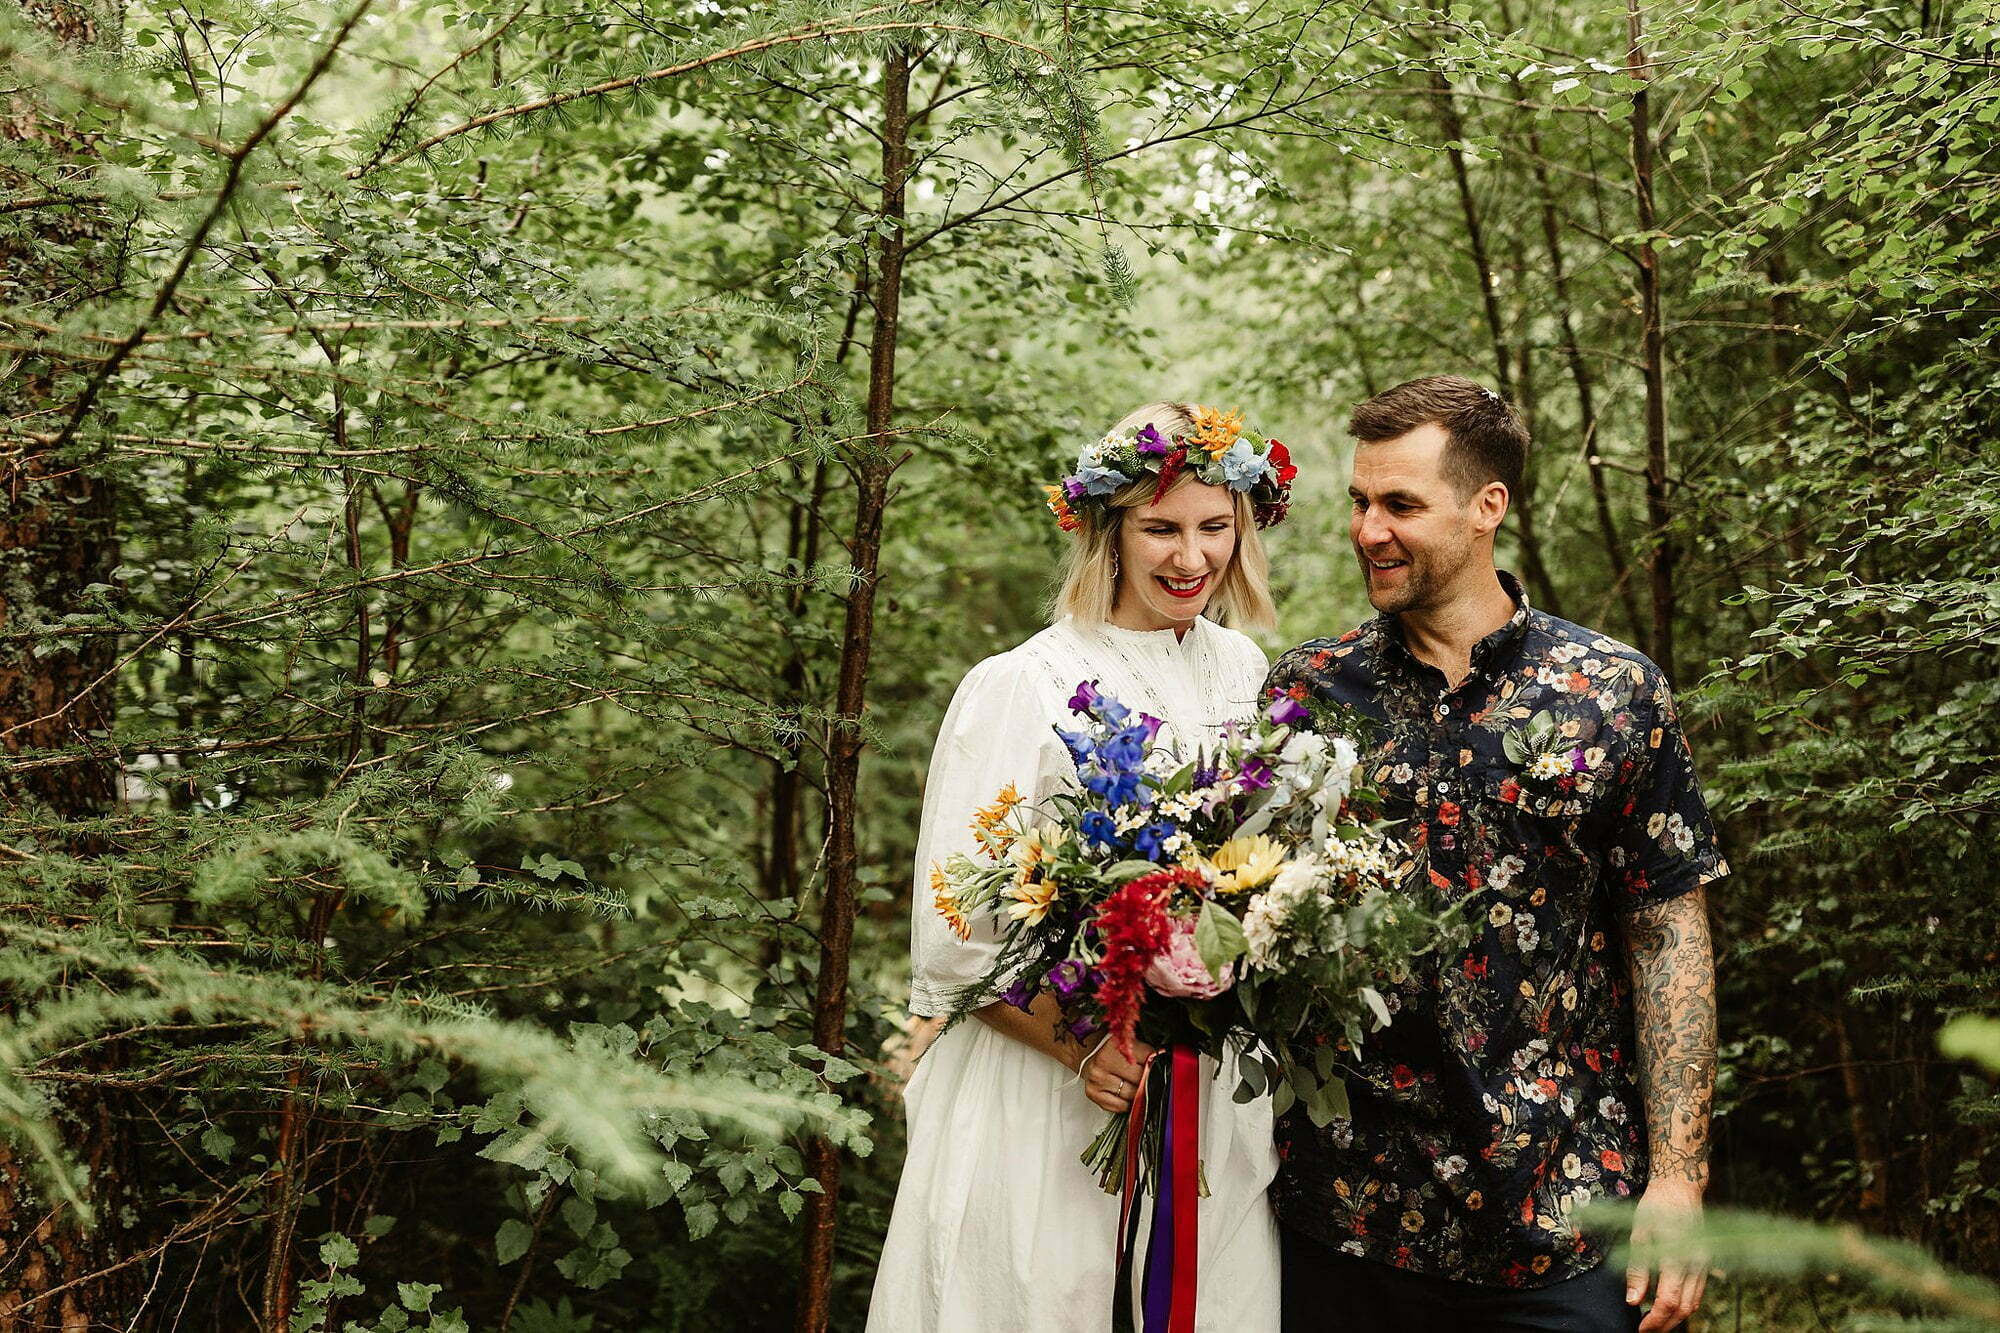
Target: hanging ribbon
point(1172, 1241)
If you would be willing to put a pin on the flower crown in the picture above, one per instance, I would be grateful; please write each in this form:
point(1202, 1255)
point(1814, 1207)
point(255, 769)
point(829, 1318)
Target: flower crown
point(1215, 448)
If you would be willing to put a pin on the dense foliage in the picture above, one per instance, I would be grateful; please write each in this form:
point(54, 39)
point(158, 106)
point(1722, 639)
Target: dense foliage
point(496, 501)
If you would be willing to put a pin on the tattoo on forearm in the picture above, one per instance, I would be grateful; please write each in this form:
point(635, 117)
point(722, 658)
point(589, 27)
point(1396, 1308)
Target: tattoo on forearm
point(1673, 988)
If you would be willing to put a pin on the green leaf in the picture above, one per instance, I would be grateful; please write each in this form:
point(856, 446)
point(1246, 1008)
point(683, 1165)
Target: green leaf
point(512, 1240)
point(337, 1251)
point(1218, 938)
point(416, 1296)
point(1972, 1037)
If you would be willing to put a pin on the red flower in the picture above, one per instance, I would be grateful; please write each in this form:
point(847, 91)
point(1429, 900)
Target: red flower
point(1134, 925)
point(1403, 1077)
point(1298, 691)
point(1281, 458)
point(1321, 658)
point(1475, 967)
point(1448, 813)
point(1171, 467)
point(1510, 791)
point(1613, 1159)
point(1593, 1059)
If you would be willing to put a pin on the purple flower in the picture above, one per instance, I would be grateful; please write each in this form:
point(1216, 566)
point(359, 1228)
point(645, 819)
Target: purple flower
point(1151, 724)
point(1067, 978)
point(1085, 698)
point(1073, 489)
point(1022, 993)
point(1149, 442)
point(1086, 1027)
point(1287, 711)
point(1255, 775)
point(1576, 761)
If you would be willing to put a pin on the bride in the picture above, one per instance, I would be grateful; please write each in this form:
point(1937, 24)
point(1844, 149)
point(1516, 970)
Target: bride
point(997, 1224)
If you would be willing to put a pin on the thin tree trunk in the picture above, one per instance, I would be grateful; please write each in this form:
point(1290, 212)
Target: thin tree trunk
point(58, 535)
point(1540, 585)
point(1579, 372)
point(871, 469)
point(1660, 560)
point(1868, 1154)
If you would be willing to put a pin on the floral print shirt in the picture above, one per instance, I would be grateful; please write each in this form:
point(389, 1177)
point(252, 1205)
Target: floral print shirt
point(1554, 789)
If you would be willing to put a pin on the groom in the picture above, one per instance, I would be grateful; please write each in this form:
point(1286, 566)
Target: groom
point(1569, 1051)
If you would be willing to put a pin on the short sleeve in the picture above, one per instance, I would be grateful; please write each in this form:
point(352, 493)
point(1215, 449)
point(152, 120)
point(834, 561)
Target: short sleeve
point(1663, 843)
point(996, 732)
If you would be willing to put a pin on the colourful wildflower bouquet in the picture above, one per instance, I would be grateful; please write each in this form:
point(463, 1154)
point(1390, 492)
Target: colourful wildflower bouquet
point(1243, 902)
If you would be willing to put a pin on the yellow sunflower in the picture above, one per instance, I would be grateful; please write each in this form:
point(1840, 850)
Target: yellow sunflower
point(1031, 900)
point(1241, 864)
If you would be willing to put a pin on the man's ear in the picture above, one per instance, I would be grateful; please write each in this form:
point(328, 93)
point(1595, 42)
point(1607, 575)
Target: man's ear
point(1489, 507)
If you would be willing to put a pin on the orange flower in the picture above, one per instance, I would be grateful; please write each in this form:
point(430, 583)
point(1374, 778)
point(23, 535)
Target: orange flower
point(947, 903)
point(989, 822)
point(1066, 518)
point(1215, 431)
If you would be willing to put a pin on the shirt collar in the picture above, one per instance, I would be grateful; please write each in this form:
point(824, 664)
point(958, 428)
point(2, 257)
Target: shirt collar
point(1487, 653)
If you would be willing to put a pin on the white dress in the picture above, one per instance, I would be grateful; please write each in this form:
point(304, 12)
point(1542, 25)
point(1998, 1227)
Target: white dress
point(997, 1225)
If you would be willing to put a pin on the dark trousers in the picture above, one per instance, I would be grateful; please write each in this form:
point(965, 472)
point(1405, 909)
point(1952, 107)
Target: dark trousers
point(1325, 1291)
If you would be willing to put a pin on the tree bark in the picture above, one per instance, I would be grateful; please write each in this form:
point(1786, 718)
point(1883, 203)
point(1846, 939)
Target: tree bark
point(58, 535)
point(871, 467)
point(1660, 559)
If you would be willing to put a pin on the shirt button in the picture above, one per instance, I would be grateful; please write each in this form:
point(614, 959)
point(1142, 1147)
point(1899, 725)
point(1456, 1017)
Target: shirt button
point(1443, 788)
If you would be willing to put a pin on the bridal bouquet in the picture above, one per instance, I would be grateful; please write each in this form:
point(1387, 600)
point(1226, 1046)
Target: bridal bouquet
point(1243, 902)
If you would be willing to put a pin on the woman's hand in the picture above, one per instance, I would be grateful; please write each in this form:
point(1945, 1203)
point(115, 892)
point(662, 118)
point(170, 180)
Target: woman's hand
point(1109, 1079)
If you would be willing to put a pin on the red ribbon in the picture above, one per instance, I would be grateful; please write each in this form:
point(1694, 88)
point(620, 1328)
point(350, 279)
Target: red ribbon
point(1135, 1133)
point(1176, 1188)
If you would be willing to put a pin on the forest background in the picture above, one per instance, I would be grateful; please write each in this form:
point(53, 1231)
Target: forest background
point(498, 497)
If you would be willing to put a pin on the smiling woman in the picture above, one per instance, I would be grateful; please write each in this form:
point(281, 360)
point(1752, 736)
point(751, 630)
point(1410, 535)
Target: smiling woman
point(1155, 559)
point(997, 1226)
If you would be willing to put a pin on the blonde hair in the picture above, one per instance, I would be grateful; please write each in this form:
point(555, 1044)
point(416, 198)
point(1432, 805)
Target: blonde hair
point(1089, 586)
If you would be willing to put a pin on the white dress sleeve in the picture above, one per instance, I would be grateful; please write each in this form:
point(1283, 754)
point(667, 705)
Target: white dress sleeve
point(1247, 666)
point(997, 731)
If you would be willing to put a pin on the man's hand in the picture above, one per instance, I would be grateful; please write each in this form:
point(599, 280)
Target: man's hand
point(1109, 1079)
point(1668, 1214)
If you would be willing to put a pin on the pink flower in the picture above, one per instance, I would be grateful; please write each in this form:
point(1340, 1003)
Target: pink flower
point(1177, 970)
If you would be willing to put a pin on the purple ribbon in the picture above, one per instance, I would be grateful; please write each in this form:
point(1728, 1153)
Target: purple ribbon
point(1160, 1240)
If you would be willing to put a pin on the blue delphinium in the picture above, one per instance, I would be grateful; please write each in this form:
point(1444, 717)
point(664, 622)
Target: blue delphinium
point(1150, 841)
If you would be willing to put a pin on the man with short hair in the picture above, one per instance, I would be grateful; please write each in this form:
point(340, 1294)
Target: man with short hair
point(1568, 1051)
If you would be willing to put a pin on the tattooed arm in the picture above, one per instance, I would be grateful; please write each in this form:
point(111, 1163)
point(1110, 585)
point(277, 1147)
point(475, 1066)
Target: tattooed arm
point(1673, 988)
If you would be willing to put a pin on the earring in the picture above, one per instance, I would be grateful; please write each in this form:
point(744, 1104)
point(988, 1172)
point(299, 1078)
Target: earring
point(1114, 564)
